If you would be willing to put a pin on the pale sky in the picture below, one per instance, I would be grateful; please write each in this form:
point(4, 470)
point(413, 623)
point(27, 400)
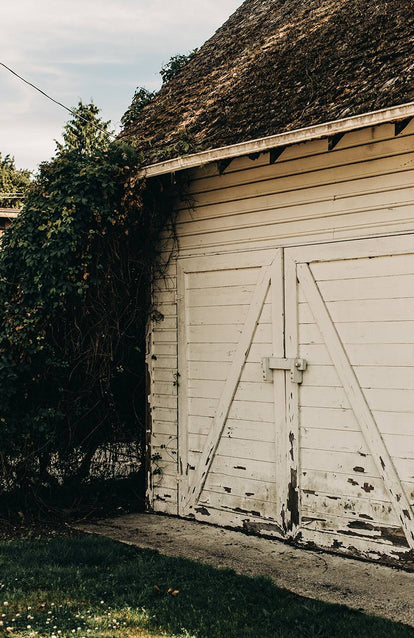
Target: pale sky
point(89, 49)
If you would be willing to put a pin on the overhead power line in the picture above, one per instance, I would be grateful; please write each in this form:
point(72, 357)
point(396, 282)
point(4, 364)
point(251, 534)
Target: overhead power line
point(72, 111)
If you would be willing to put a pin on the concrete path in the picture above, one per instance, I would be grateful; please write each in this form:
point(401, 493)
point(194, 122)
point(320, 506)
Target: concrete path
point(371, 588)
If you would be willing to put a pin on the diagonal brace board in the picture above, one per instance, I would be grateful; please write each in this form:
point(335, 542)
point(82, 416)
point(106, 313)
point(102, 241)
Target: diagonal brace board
point(358, 402)
point(230, 387)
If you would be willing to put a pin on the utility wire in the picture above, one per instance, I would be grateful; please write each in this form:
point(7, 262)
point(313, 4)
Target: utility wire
point(56, 101)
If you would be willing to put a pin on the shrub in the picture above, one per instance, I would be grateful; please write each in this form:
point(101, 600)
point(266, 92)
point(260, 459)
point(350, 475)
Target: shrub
point(75, 278)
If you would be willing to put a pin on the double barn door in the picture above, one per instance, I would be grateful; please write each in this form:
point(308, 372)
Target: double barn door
point(296, 392)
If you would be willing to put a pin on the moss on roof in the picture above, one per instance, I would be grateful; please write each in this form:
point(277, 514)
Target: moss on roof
point(280, 65)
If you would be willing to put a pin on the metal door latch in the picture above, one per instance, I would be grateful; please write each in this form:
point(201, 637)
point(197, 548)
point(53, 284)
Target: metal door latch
point(296, 367)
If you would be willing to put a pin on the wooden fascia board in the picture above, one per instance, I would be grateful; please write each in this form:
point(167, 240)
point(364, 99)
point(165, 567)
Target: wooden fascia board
point(328, 129)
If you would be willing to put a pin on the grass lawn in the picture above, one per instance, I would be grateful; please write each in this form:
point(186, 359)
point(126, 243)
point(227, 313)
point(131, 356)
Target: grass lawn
point(87, 586)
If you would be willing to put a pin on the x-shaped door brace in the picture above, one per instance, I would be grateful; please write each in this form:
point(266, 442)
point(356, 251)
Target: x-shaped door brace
point(357, 400)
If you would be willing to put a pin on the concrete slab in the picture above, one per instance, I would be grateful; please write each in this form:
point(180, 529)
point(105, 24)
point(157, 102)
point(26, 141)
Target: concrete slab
point(374, 589)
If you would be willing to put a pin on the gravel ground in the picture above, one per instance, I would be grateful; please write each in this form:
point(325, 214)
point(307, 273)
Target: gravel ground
point(368, 587)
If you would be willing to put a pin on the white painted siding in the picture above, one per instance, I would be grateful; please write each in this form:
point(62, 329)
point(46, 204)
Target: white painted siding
point(162, 366)
point(363, 188)
point(225, 489)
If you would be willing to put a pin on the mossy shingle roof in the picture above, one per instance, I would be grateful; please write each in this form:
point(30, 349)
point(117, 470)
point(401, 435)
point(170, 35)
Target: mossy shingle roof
point(280, 65)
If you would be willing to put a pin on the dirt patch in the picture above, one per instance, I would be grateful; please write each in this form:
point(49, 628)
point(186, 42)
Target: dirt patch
point(371, 588)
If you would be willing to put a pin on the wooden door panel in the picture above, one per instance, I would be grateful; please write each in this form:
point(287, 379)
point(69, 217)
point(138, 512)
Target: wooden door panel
point(353, 307)
point(227, 417)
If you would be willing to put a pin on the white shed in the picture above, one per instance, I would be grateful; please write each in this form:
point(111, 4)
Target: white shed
point(282, 369)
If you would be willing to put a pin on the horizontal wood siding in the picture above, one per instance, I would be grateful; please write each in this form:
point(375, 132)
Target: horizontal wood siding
point(162, 362)
point(363, 187)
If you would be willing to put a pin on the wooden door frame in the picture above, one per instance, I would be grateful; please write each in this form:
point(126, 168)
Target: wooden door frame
point(351, 248)
point(297, 271)
point(185, 266)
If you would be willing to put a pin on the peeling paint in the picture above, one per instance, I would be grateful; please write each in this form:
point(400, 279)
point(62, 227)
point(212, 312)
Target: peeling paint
point(359, 469)
point(395, 558)
point(292, 441)
point(242, 511)
point(227, 489)
point(407, 558)
point(367, 488)
point(391, 534)
point(262, 528)
point(312, 519)
point(352, 481)
point(202, 510)
point(283, 519)
point(293, 499)
point(148, 431)
point(360, 525)
point(239, 467)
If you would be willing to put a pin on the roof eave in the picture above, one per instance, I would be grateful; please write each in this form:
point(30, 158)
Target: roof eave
point(328, 129)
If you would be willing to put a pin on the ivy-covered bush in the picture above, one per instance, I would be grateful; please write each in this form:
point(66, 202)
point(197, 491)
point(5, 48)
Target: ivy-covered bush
point(75, 275)
point(141, 98)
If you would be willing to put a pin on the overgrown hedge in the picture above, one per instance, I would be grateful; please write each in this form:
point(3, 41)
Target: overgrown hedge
point(75, 277)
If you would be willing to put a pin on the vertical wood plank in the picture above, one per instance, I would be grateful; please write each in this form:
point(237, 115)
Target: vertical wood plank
point(279, 389)
point(358, 402)
point(292, 495)
point(230, 386)
point(149, 368)
point(182, 380)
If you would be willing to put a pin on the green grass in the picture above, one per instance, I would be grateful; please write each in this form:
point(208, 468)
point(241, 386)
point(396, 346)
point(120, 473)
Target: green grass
point(88, 586)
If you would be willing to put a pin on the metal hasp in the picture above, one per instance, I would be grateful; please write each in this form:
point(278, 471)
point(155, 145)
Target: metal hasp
point(296, 367)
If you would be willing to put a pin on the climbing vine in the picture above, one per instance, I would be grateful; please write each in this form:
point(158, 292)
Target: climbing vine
point(142, 96)
point(176, 64)
point(75, 279)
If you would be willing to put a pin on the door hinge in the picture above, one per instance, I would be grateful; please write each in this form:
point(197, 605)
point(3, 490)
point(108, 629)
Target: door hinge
point(296, 367)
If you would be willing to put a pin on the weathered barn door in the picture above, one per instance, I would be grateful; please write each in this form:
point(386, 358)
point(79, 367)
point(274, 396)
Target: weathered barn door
point(350, 315)
point(296, 397)
point(233, 445)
